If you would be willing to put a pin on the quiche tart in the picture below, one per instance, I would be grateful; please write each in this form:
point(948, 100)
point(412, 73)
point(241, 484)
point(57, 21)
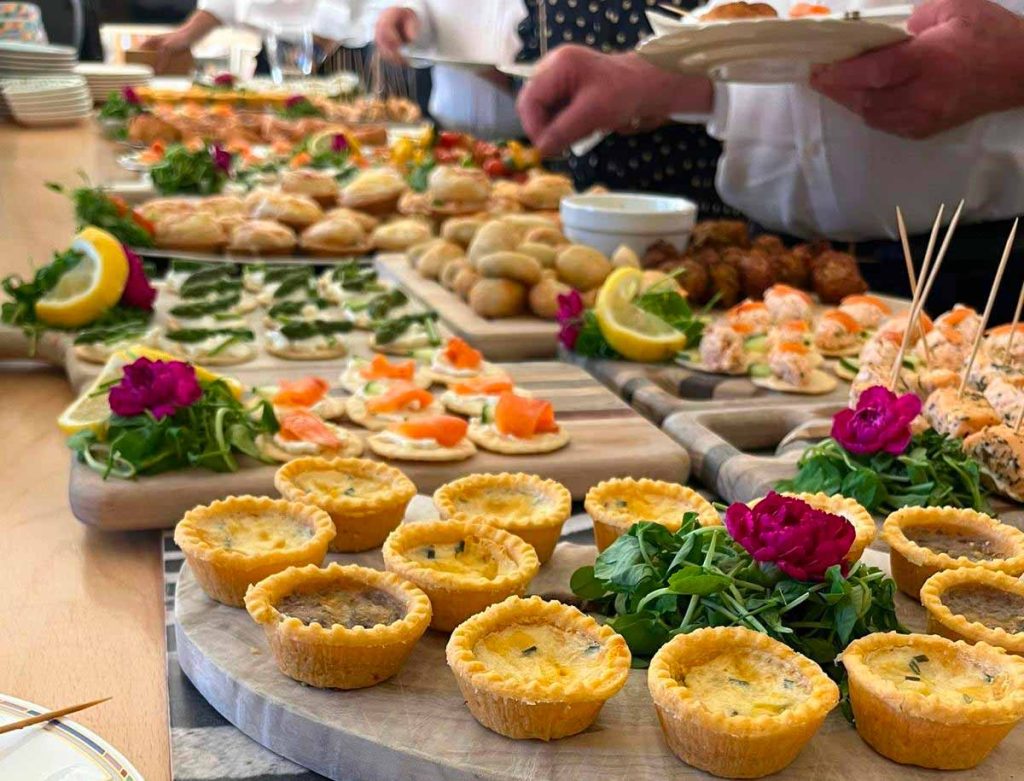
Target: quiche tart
point(532, 508)
point(926, 540)
point(340, 627)
point(366, 499)
point(240, 540)
point(976, 605)
point(615, 505)
point(850, 509)
point(462, 566)
point(928, 701)
point(529, 668)
point(737, 703)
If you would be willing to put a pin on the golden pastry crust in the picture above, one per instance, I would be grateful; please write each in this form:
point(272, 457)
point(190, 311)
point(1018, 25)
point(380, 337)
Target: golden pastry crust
point(955, 626)
point(295, 211)
point(160, 209)
point(338, 657)
point(193, 231)
point(455, 596)
point(399, 235)
point(489, 438)
point(335, 236)
point(396, 451)
point(357, 412)
point(612, 504)
point(362, 520)
point(366, 221)
point(540, 707)
point(375, 191)
point(742, 745)
point(528, 506)
point(913, 564)
point(262, 237)
point(851, 510)
point(222, 206)
point(928, 729)
point(455, 187)
point(225, 573)
point(544, 192)
point(351, 447)
point(321, 186)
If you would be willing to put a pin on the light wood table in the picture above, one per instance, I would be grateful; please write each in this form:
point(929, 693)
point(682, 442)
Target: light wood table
point(82, 613)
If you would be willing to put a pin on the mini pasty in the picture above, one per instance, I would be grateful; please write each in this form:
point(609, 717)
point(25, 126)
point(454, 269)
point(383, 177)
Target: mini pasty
point(190, 231)
point(160, 209)
point(462, 187)
point(375, 190)
point(366, 221)
point(337, 235)
point(222, 206)
point(262, 237)
point(321, 186)
point(545, 191)
point(400, 235)
point(296, 211)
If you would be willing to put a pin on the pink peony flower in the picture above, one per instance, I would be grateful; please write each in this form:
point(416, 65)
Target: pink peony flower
point(130, 96)
point(224, 80)
point(338, 142)
point(159, 387)
point(221, 158)
point(785, 531)
point(138, 293)
point(880, 422)
point(295, 100)
point(570, 314)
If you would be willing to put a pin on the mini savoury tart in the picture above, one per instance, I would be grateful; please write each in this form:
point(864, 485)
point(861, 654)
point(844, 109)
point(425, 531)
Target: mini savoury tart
point(470, 397)
point(517, 425)
point(360, 371)
point(976, 605)
point(737, 703)
point(928, 701)
point(295, 211)
point(378, 404)
point(302, 433)
point(194, 231)
point(926, 540)
point(240, 540)
point(528, 506)
point(426, 438)
point(374, 191)
point(458, 361)
point(321, 186)
point(335, 236)
point(853, 511)
point(462, 566)
point(529, 668)
point(340, 627)
point(615, 505)
point(366, 499)
point(261, 237)
point(210, 347)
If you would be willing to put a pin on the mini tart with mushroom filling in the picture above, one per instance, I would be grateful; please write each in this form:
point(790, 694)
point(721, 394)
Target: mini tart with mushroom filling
point(340, 627)
point(461, 565)
point(528, 506)
point(928, 701)
point(517, 425)
point(303, 433)
point(379, 404)
point(926, 540)
point(366, 499)
point(240, 540)
point(424, 438)
point(615, 505)
point(529, 668)
point(737, 703)
point(976, 605)
point(849, 509)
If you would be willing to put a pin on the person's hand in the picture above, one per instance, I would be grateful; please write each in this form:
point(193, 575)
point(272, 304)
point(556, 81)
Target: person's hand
point(964, 61)
point(166, 46)
point(396, 27)
point(577, 91)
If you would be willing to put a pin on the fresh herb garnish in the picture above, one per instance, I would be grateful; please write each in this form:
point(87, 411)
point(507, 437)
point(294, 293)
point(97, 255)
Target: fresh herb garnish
point(20, 311)
point(298, 107)
point(666, 304)
point(419, 174)
point(93, 206)
point(183, 170)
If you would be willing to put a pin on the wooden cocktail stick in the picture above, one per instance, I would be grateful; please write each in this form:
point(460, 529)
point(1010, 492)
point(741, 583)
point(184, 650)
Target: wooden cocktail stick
point(909, 261)
point(1013, 327)
point(48, 716)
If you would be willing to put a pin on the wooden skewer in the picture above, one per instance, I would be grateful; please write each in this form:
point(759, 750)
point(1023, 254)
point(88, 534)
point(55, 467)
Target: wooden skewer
point(1013, 327)
point(909, 261)
point(1020, 417)
point(675, 10)
point(988, 307)
point(48, 716)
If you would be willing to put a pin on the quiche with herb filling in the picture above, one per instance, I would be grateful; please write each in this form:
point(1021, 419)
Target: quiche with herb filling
point(737, 703)
point(340, 627)
point(532, 508)
point(366, 499)
point(976, 605)
point(529, 668)
point(240, 540)
point(926, 540)
point(928, 701)
point(462, 566)
point(850, 509)
point(615, 505)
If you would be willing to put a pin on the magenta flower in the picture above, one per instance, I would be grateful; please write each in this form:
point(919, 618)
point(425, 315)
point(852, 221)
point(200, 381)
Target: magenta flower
point(295, 100)
point(338, 142)
point(138, 293)
point(159, 387)
point(130, 96)
point(224, 80)
point(880, 422)
point(221, 158)
point(785, 531)
point(570, 318)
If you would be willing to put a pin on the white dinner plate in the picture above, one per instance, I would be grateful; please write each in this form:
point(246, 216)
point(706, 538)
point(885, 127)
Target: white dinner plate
point(44, 49)
point(100, 70)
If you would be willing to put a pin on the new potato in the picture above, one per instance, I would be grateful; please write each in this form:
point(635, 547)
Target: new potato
point(583, 268)
point(496, 298)
point(543, 297)
point(510, 265)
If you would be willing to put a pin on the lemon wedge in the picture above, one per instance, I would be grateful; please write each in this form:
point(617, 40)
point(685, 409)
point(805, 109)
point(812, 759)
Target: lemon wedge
point(636, 334)
point(321, 142)
point(90, 288)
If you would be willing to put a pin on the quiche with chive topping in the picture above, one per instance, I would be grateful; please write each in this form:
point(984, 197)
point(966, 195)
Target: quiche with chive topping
point(976, 605)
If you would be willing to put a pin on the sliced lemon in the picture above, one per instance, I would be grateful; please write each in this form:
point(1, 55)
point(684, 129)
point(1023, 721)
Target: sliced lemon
point(323, 141)
point(636, 334)
point(91, 410)
point(90, 288)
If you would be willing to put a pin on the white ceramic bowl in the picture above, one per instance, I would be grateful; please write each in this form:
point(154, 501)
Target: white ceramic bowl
point(606, 221)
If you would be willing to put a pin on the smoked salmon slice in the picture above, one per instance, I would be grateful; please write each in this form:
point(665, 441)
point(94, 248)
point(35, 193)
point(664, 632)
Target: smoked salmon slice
point(521, 417)
point(793, 347)
point(958, 314)
point(845, 320)
point(304, 392)
point(380, 368)
point(482, 386)
point(460, 355)
point(402, 395)
point(874, 301)
point(780, 289)
point(302, 426)
point(446, 430)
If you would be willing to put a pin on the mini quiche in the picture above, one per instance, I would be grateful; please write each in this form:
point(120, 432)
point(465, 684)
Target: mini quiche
point(532, 508)
point(976, 605)
point(926, 540)
point(427, 438)
point(301, 433)
point(240, 540)
point(360, 371)
point(470, 397)
point(737, 703)
point(615, 505)
point(366, 499)
point(529, 668)
point(517, 425)
point(461, 565)
point(928, 701)
point(340, 627)
point(851, 510)
point(378, 404)
point(457, 361)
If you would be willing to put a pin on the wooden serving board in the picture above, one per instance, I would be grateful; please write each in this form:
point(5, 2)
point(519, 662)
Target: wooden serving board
point(416, 725)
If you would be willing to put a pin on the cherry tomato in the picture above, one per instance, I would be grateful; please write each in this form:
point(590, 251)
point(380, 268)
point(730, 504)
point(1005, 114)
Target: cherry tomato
point(495, 167)
point(449, 139)
point(443, 155)
point(482, 150)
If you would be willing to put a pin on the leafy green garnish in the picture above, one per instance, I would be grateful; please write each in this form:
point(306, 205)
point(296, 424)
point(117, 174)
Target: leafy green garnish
point(668, 305)
point(116, 107)
point(419, 174)
point(21, 309)
point(299, 107)
point(185, 171)
point(93, 206)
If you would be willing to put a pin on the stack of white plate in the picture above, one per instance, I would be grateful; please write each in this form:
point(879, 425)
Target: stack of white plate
point(104, 78)
point(56, 100)
point(18, 58)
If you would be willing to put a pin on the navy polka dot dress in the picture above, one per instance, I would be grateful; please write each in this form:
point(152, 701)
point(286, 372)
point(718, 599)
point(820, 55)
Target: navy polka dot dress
point(675, 158)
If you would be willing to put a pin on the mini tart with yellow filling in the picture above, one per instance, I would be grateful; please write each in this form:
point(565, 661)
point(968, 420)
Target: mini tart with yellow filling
point(532, 508)
point(366, 499)
point(240, 540)
point(529, 668)
point(850, 509)
point(926, 540)
point(737, 703)
point(928, 701)
point(340, 627)
point(615, 505)
point(976, 605)
point(462, 566)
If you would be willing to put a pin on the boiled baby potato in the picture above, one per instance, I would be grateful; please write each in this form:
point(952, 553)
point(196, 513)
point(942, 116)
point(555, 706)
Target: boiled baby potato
point(543, 297)
point(464, 281)
point(544, 254)
point(451, 271)
point(497, 298)
point(510, 265)
point(625, 257)
point(493, 236)
point(524, 223)
point(415, 252)
point(546, 235)
point(437, 257)
point(583, 268)
point(461, 230)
